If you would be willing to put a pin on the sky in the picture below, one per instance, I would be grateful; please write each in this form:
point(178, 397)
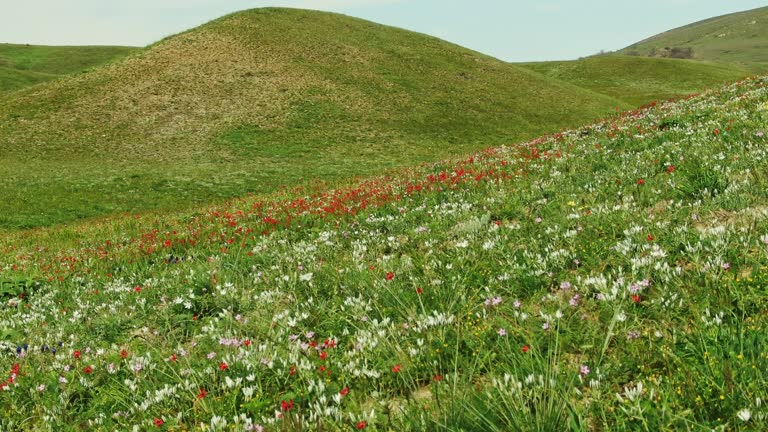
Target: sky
point(511, 30)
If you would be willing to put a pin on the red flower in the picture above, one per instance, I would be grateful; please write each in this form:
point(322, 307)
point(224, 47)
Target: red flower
point(172, 358)
point(76, 354)
point(137, 288)
point(525, 348)
point(202, 394)
point(437, 378)
point(670, 169)
point(286, 406)
point(390, 276)
point(223, 366)
point(396, 368)
point(636, 298)
point(361, 425)
point(159, 422)
point(650, 237)
point(419, 290)
point(716, 131)
point(247, 342)
point(123, 354)
point(344, 391)
point(88, 369)
point(323, 355)
point(641, 182)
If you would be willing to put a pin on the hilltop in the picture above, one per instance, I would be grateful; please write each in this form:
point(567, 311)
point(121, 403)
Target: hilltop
point(25, 65)
point(738, 38)
point(639, 80)
point(259, 99)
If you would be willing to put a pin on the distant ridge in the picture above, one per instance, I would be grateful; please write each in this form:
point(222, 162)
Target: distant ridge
point(25, 65)
point(738, 38)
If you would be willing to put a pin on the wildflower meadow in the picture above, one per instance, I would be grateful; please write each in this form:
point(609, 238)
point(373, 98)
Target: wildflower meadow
point(612, 277)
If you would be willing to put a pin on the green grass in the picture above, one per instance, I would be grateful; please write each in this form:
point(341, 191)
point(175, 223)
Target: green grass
point(607, 278)
point(25, 65)
point(258, 99)
point(639, 80)
point(272, 97)
point(740, 38)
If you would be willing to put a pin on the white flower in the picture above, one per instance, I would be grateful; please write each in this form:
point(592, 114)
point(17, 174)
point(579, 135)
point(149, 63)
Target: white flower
point(306, 277)
point(744, 415)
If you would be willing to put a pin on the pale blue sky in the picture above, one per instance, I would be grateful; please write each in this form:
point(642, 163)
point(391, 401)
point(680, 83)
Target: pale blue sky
point(512, 30)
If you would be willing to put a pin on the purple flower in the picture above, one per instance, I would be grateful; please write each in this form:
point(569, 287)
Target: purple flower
point(574, 300)
point(584, 370)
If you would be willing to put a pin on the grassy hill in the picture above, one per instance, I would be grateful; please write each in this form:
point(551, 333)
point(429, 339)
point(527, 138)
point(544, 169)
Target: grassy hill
point(260, 99)
point(639, 80)
point(25, 65)
point(739, 38)
point(611, 277)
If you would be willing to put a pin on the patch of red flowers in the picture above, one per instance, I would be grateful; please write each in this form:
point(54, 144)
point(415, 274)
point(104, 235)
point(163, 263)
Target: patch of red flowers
point(15, 369)
point(286, 406)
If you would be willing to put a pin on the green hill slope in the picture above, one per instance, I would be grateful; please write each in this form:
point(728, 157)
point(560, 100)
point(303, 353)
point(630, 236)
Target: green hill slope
point(610, 278)
point(259, 99)
point(639, 80)
point(739, 38)
point(25, 65)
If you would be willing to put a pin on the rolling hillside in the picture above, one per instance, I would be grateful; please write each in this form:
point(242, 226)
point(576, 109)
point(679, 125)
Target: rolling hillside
point(25, 65)
point(638, 80)
point(739, 38)
point(608, 278)
point(259, 99)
